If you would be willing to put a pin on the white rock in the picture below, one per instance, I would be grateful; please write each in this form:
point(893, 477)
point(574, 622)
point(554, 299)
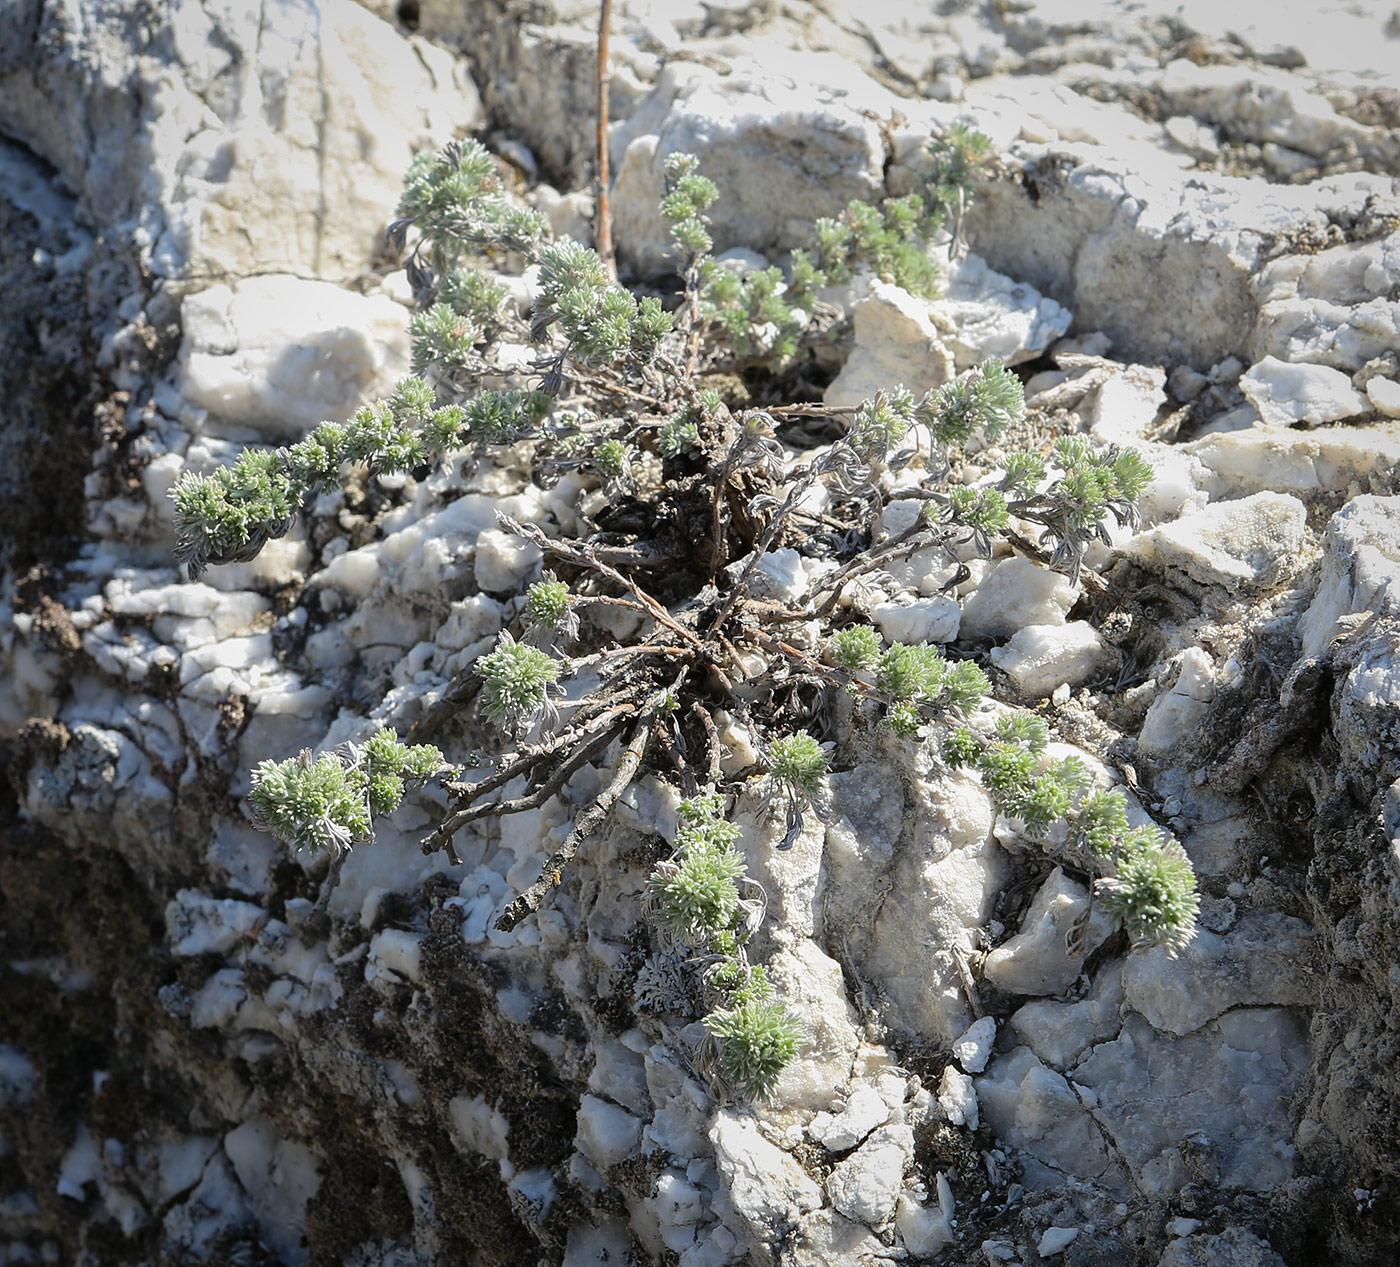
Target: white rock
point(1194, 137)
point(1320, 332)
point(1234, 1247)
point(897, 340)
point(607, 1133)
point(469, 621)
point(1040, 658)
point(1285, 394)
point(864, 1111)
point(1259, 103)
point(974, 1048)
point(945, 875)
point(767, 1188)
point(281, 354)
point(677, 1205)
point(356, 572)
point(202, 613)
point(280, 1177)
point(600, 1240)
point(1176, 712)
point(1366, 704)
point(1324, 459)
point(197, 924)
point(1360, 569)
point(994, 316)
point(304, 162)
point(1350, 273)
point(1036, 960)
point(1013, 594)
point(925, 1229)
point(504, 561)
point(82, 1164)
point(782, 135)
point(1257, 963)
point(682, 1117)
point(1060, 1033)
point(1033, 1108)
point(479, 1128)
point(1186, 384)
point(1232, 1080)
point(741, 261)
point(957, 1098)
point(570, 215)
point(809, 982)
point(1384, 394)
point(1055, 1240)
point(779, 577)
point(182, 1160)
point(1254, 543)
point(866, 1186)
point(927, 620)
point(827, 1236)
point(1165, 267)
point(199, 1219)
point(924, 343)
point(398, 951)
point(1126, 403)
point(1183, 1227)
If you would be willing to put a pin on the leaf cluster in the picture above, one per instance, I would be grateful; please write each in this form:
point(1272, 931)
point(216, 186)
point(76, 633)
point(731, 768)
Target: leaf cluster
point(697, 897)
point(601, 322)
point(331, 802)
point(516, 684)
point(1150, 886)
point(229, 514)
point(454, 200)
point(893, 239)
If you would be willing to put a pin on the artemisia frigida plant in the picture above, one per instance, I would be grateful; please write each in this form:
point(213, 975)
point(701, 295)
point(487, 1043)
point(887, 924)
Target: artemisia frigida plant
point(699, 496)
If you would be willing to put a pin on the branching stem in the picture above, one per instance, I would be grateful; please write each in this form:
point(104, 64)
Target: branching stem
point(575, 761)
point(590, 820)
point(587, 556)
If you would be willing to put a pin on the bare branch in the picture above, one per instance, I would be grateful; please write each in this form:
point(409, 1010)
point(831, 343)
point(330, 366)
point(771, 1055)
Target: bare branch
point(587, 556)
point(574, 762)
point(587, 823)
point(451, 702)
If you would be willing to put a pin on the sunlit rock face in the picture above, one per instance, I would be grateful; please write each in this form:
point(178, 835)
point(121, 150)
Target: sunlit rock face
point(217, 1052)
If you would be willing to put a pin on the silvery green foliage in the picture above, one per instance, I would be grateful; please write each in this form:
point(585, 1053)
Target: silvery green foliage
point(1152, 892)
point(517, 681)
point(1150, 887)
point(331, 802)
point(798, 760)
point(453, 199)
point(697, 896)
point(757, 1040)
point(762, 315)
point(601, 321)
point(549, 614)
point(797, 769)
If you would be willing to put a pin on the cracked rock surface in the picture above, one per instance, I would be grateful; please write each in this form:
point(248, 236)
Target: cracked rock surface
point(211, 1055)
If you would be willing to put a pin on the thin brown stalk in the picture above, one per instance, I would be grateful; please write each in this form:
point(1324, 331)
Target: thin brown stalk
point(712, 747)
point(603, 229)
